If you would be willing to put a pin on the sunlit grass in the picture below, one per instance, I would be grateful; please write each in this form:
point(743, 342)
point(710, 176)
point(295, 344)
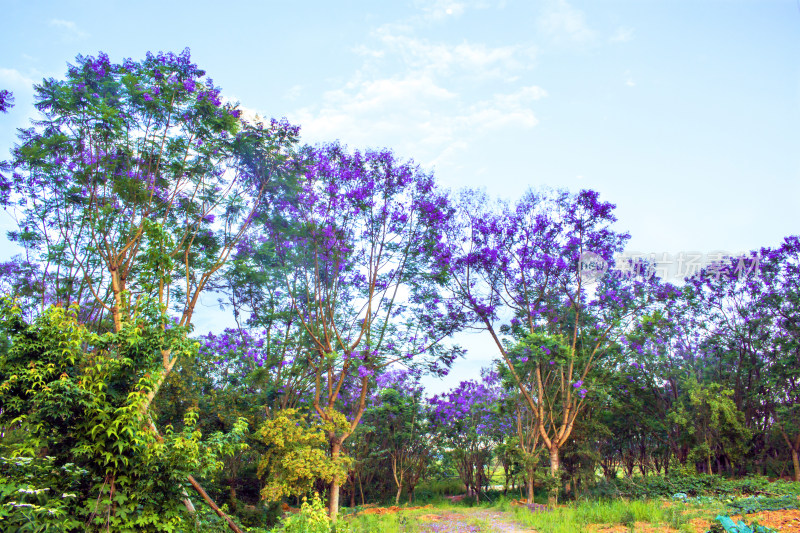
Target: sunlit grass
point(570, 518)
point(410, 521)
point(575, 516)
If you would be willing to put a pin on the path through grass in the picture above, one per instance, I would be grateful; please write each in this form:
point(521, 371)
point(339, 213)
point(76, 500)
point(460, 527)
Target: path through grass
point(642, 516)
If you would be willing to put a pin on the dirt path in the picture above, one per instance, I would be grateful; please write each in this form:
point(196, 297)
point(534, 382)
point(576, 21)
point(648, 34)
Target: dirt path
point(470, 522)
point(481, 520)
point(502, 522)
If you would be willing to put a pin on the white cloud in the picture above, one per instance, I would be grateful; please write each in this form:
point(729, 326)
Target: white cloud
point(68, 29)
point(294, 92)
point(502, 110)
point(387, 94)
point(629, 79)
point(415, 116)
point(477, 60)
point(370, 52)
point(622, 35)
point(440, 9)
point(12, 78)
point(437, 10)
point(363, 110)
point(433, 100)
point(564, 23)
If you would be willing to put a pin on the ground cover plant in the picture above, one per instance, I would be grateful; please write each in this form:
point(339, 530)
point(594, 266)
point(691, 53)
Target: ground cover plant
point(614, 400)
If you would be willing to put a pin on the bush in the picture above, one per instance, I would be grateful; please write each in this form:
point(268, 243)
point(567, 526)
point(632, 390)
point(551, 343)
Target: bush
point(761, 503)
point(701, 485)
point(439, 488)
point(35, 494)
point(312, 518)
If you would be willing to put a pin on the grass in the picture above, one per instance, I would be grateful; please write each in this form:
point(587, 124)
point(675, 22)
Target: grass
point(576, 516)
point(571, 518)
point(659, 513)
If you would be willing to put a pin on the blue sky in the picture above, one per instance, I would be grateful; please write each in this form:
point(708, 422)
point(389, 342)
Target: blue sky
point(683, 113)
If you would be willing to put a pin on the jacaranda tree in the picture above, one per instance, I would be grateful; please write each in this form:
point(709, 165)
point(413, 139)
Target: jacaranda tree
point(135, 180)
point(781, 275)
point(6, 103)
point(6, 100)
point(516, 271)
point(135, 183)
point(399, 419)
point(361, 274)
point(468, 423)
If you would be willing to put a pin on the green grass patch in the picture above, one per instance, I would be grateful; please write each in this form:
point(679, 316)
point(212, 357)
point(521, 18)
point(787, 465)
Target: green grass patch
point(577, 515)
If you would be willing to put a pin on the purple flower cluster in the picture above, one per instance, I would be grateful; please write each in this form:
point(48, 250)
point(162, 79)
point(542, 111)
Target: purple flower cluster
point(6, 101)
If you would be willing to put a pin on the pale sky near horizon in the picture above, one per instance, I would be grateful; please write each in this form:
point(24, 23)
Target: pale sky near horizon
point(682, 113)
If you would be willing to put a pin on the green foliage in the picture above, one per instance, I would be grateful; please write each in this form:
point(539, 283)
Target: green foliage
point(698, 485)
point(36, 495)
point(78, 397)
point(711, 422)
point(312, 518)
point(135, 176)
point(756, 504)
point(296, 455)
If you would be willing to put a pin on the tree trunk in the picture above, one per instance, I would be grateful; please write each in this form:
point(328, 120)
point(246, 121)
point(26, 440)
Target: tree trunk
point(233, 527)
point(397, 480)
point(552, 498)
point(333, 499)
point(530, 486)
point(795, 449)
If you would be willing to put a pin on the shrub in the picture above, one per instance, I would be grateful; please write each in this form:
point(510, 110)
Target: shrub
point(700, 485)
point(312, 518)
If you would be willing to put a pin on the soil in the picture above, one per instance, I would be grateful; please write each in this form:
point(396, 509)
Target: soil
point(786, 521)
point(456, 522)
point(451, 522)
